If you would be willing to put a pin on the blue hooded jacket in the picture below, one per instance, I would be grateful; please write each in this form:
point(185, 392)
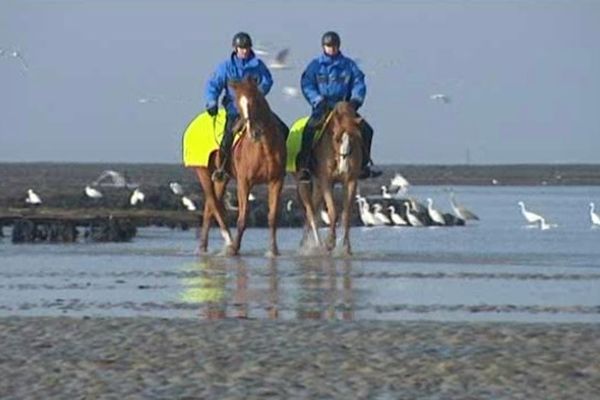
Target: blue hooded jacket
point(235, 69)
point(333, 78)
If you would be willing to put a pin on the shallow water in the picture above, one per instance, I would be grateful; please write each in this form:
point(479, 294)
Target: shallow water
point(495, 269)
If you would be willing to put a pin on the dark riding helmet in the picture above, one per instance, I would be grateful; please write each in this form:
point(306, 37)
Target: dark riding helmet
point(331, 39)
point(241, 39)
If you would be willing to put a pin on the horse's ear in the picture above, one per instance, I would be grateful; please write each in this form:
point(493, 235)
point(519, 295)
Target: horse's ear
point(234, 84)
point(358, 120)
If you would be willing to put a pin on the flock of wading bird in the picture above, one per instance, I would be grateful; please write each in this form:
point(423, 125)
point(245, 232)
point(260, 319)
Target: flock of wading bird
point(391, 208)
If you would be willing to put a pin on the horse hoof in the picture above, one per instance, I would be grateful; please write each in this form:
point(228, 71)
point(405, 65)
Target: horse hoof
point(272, 254)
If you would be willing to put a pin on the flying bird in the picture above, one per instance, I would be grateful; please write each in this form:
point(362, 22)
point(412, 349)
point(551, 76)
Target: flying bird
point(441, 97)
point(92, 193)
point(279, 62)
point(290, 91)
point(400, 182)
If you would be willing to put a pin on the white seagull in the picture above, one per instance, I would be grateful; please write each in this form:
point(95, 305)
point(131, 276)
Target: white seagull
point(92, 193)
point(396, 218)
point(595, 218)
point(279, 62)
point(460, 211)
point(531, 217)
point(187, 203)
point(32, 197)
point(137, 197)
point(176, 188)
point(440, 96)
point(434, 214)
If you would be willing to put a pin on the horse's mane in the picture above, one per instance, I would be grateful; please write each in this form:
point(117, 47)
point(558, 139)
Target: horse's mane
point(249, 87)
point(345, 117)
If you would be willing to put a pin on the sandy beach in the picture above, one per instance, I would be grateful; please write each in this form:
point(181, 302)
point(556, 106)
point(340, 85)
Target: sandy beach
point(185, 359)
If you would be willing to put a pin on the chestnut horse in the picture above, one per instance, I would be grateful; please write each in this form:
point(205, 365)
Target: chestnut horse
point(258, 157)
point(337, 158)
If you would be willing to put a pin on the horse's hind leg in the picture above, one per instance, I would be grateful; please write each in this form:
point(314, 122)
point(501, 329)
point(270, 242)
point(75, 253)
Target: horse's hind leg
point(212, 207)
point(304, 193)
point(274, 196)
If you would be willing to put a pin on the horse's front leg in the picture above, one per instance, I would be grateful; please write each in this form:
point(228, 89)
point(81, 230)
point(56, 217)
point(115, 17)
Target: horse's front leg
point(327, 188)
point(274, 196)
point(211, 208)
point(346, 212)
point(243, 189)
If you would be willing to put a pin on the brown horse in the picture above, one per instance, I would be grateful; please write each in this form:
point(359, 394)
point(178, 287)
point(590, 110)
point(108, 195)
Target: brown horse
point(258, 157)
point(338, 158)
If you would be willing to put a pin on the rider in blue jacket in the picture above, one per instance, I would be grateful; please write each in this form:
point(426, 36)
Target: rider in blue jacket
point(329, 78)
point(242, 63)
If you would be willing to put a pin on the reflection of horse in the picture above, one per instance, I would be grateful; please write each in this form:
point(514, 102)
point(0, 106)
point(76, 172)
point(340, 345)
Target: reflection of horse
point(258, 157)
point(337, 158)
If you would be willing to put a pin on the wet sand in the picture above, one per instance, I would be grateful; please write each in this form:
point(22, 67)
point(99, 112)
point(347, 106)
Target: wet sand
point(159, 358)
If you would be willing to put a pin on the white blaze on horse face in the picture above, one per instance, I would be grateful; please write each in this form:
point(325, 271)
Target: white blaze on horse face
point(344, 153)
point(245, 113)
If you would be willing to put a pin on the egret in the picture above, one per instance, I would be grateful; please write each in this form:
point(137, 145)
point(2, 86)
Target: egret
point(33, 198)
point(384, 192)
point(188, 203)
point(92, 192)
point(412, 218)
point(460, 211)
point(396, 218)
point(595, 218)
point(176, 188)
point(398, 181)
point(531, 217)
point(434, 214)
point(137, 197)
point(379, 216)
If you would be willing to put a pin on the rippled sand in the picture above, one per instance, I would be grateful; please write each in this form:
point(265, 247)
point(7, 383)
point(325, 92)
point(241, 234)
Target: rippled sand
point(159, 358)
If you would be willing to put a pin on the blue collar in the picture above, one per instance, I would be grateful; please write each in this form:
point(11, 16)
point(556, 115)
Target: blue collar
point(327, 59)
point(250, 61)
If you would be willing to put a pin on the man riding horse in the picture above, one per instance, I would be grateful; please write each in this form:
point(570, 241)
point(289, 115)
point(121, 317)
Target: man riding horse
point(329, 78)
point(242, 63)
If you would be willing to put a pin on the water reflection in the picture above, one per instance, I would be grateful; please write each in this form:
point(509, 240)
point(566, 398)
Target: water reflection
point(233, 288)
point(319, 297)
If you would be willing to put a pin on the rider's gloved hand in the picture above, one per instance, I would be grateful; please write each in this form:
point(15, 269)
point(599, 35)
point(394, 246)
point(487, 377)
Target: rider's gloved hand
point(322, 108)
point(213, 110)
point(355, 104)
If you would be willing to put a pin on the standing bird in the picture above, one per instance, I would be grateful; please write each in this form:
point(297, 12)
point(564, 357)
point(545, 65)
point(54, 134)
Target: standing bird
point(396, 218)
point(434, 214)
point(460, 211)
point(176, 188)
point(593, 216)
point(92, 193)
point(33, 198)
point(137, 197)
point(188, 203)
point(379, 216)
point(531, 217)
point(413, 220)
point(384, 192)
point(365, 214)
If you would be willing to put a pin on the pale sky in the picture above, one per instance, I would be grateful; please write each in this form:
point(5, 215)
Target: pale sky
point(523, 76)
